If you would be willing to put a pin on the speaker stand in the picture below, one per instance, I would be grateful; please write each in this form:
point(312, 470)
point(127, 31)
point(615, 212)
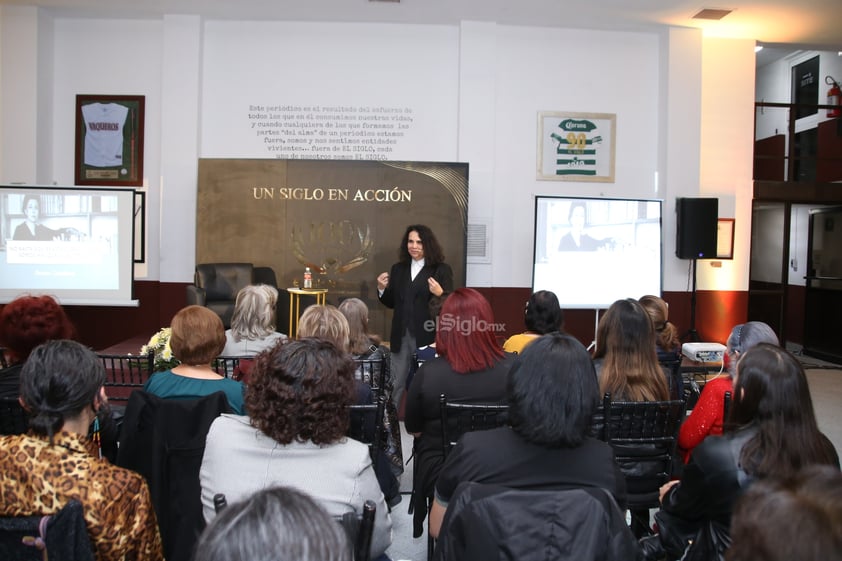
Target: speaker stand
point(692, 335)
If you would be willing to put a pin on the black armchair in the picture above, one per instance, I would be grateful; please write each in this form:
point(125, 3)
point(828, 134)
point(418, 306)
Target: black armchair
point(216, 285)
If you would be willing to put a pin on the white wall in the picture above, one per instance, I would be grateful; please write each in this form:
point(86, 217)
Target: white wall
point(475, 91)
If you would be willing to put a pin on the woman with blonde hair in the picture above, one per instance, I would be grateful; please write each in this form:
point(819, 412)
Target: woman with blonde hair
point(253, 322)
point(666, 334)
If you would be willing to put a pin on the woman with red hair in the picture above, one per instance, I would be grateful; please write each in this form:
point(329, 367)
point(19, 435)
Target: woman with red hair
point(471, 367)
point(26, 322)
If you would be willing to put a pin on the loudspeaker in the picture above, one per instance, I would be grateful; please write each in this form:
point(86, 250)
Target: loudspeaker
point(696, 228)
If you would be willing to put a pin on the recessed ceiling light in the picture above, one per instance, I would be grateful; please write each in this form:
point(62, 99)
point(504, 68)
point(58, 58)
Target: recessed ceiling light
point(712, 13)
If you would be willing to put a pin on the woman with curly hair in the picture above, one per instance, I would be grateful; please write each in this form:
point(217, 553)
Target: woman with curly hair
point(26, 322)
point(295, 435)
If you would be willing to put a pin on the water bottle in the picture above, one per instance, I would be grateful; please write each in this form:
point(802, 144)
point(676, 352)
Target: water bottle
point(308, 278)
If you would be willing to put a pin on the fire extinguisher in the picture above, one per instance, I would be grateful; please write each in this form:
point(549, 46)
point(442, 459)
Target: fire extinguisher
point(834, 97)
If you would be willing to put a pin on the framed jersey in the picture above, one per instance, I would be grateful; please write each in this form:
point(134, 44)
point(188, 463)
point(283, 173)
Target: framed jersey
point(109, 140)
point(576, 146)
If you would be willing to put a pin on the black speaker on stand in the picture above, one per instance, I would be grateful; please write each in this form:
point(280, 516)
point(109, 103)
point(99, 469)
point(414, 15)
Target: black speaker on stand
point(696, 226)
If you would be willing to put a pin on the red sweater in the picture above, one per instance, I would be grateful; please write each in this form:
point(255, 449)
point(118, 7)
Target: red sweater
point(707, 416)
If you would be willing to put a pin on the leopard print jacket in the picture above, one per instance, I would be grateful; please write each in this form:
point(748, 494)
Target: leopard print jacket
point(39, 478)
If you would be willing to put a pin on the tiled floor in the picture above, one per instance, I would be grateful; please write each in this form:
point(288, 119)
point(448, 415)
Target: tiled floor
point(825, 385)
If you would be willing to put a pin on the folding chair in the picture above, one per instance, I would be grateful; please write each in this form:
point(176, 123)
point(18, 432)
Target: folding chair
point(125, 373)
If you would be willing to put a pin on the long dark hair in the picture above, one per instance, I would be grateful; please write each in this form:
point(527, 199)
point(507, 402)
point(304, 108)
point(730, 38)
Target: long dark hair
point(433, 253)
point(626, 343)
point(771, 392)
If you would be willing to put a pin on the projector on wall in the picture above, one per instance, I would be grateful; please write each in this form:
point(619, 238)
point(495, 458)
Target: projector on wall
point(704, 352)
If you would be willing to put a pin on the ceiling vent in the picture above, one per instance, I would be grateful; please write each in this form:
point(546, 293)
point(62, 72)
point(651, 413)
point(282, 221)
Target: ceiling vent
point(712, 14)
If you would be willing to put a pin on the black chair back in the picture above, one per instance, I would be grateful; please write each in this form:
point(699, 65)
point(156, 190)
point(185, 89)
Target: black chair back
point(643, 435)
point(366, 425)
point(13, 417)
point(373, 372)
point(457, 418)
point(61, 536)
point(234, 367)
point(125, 373)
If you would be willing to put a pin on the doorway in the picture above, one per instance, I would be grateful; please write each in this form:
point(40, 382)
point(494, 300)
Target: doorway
point(823, 297)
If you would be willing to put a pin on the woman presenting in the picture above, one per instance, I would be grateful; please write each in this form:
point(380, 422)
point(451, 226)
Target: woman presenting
point(419, 274)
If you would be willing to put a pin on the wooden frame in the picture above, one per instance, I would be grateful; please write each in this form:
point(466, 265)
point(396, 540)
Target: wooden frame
point(109, 140)
point(725, 238)
point(576, 146)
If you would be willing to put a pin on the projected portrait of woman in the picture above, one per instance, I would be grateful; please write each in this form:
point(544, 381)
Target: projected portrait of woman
point(31, 228)
point(577, 239)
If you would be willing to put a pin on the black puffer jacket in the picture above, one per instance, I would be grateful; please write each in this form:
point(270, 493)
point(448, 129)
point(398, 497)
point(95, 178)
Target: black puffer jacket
point(492, 522)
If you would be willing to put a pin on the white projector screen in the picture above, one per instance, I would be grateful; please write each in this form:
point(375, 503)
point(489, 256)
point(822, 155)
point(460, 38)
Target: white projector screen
point(74, 243)
point(593, 251)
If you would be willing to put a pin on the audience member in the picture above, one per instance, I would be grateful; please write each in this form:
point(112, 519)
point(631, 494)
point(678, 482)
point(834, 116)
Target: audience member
point(666, 334)
point(253, 321)
point(667, 343)
point(625, 359)
point(552, 395)
point(542, 315)
point(26, 322)
point(62, 386)
point(368, 347)
point(774, 434)
point(471, 367)
point(278, 523)
point(327, 323)
point(799, 517)
point(197, 339)
point(419, 274)
point(627, 367)
point(707, 416)
point(295, 436)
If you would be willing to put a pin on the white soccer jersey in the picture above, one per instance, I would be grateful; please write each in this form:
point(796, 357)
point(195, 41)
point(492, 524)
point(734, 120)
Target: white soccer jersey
point(104, 137)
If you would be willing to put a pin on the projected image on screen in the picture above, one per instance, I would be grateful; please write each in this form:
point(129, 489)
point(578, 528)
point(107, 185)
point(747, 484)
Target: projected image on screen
point(591, 252)
point(72, 243)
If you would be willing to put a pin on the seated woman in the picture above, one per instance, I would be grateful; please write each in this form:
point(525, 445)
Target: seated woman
point(774, 434)
point(542, 315)
point(625, 360)
point(197, 339)
point(627, 367)
point(707, 417)
point(253, 322)
point(780, 519)
point(366, 346)
point(295, 436)
point(667, 342)
point(26, 322)
point(547, 446)
point(62, 386)
point(471, 367)
point(276, 523)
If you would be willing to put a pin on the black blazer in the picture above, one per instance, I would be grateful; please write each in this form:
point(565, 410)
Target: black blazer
point(410, 300)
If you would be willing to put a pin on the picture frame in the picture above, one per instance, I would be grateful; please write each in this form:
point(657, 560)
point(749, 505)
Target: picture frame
point(109, 140)
point(725, 238)
point(575, 146)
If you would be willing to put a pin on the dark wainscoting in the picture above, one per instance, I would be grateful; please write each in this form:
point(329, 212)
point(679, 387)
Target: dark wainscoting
point(101, 327)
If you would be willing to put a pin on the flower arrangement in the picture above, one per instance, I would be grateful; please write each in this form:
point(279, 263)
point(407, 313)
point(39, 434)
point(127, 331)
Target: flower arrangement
point(160, 345)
